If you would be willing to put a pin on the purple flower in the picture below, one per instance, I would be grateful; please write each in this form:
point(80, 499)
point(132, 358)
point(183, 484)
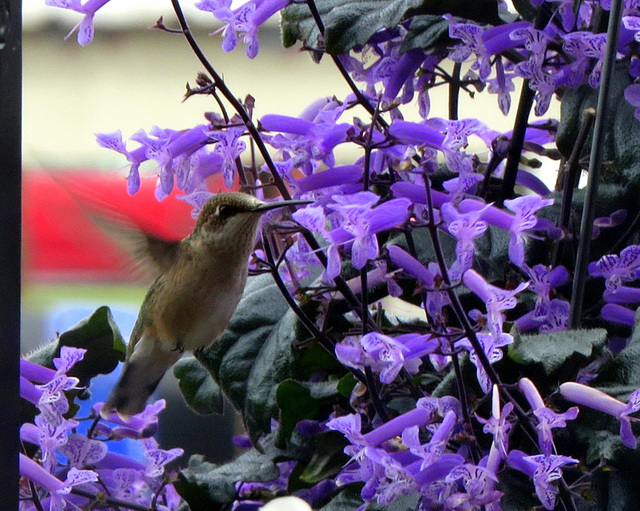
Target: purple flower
point(598, 400)
point(482, 43)
point(359, 222)
point(618, 314)
point(141, 425)
point(618, 269)
point(304, 140)
point(82, 451)
point(478, 483)
point(157, 457)
point(491, 346)
point(244, 21)
point(495, 299)
point(525, 208)
point(543, 280)
point(59, 490)
point(433, 450)
point(384, 354)
point(428, 277)
point(544, 469)
point(228, 147)
point(464, 227)
point(35, 372)
point(180, 155)
point(89, 9)
point(503, 86)
point(547, 418)
point(498, 425)
point(439, 407)
point(623, 294)
point(554, 319)
point(584, 46)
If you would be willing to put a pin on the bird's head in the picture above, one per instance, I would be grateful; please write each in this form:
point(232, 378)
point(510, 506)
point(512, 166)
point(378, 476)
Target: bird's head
point(233, 217)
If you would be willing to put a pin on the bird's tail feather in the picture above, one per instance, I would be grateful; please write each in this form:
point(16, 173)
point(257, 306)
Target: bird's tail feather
point(140, 377)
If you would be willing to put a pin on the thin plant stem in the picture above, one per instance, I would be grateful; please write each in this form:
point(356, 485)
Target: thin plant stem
point(517, 142)
point(454, 91)
point(570, 174)
point(595, 162)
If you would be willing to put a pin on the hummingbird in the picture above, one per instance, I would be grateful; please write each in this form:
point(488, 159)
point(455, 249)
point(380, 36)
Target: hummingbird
point(198, 284)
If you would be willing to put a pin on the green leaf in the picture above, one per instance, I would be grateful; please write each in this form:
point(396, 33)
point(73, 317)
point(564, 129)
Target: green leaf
point(346, 385)
point(620, 147)
point(99, 335)
point(206, 486)
point(272, 366)
point(347, 499)
point(349, 24)
point(425, 31)
point(200, 391)
point(618, 377)
point(301, 400)
point(552, 350)
point(328, 457)
point(204, 483)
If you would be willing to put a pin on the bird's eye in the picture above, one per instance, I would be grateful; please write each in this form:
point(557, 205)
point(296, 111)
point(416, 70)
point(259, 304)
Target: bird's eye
point(226, 211)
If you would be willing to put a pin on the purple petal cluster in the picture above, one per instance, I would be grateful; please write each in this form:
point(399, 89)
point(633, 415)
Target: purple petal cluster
point(90, 466)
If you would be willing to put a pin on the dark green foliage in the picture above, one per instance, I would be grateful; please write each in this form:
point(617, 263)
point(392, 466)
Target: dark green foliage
point(200, 391)
point(99, 335)
point(552, 350)
point(350, 24)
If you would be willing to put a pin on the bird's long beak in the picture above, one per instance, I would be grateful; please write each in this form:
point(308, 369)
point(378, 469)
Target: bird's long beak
point(281, 204)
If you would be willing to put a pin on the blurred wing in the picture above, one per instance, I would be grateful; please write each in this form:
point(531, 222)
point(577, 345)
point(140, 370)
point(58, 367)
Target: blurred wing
point(152, 254)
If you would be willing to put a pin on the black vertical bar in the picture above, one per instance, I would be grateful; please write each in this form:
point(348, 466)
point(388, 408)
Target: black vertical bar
point(10, 172)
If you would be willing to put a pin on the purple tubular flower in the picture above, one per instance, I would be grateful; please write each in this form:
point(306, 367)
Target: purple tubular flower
point(29, 391)
point(524, 208)
point(554, 317)
point(404, 70)
point(624, 294)
point(395, 427)
point(532, 182)
point(618, 314)
point(244, 21)
point(498, 425)
point(618, 269)
point(547, 418)
point(465, 227)
point(59, 490)
point(228, 147)
point(89, 9)
point(360, 223)
point(492, 215)
point(335, 176)
point(598, 400)
point(142, 425)
point(491, 345)
point(496, 299)
point(35, 372)
point(384, 354)
point(34, 472)
point(286, 124)
point(412, 133)
point(411, 265)
point(417, 193)
point(433, 450)
point(543, 469)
